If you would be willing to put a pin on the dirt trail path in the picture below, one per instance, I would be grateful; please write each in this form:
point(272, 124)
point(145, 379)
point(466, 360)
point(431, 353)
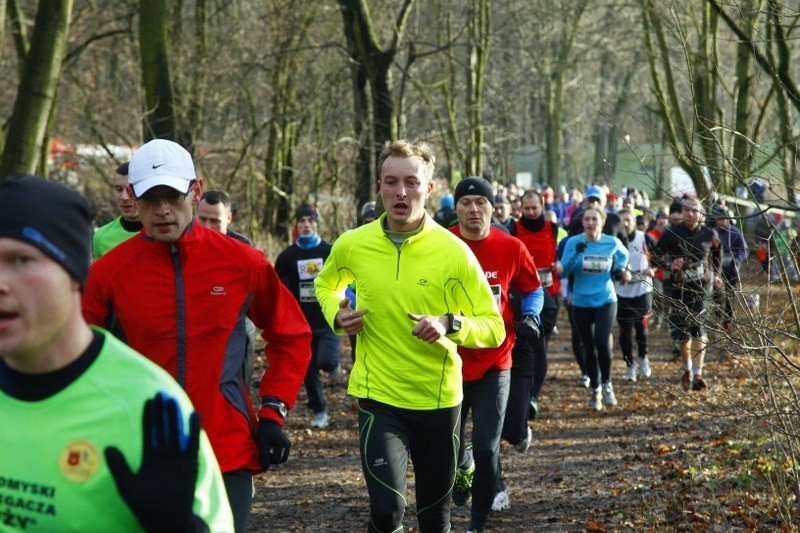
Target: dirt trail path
point(621, 469)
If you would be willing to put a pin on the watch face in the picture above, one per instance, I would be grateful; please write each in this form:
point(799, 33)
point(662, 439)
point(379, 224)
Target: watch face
point(457, 323)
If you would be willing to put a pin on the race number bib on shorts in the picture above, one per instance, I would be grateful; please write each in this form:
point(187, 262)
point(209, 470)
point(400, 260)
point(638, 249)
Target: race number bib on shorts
point(596, 264)
point(545, 276)
point(694, 274)
point(309, 268)
point(307, 293)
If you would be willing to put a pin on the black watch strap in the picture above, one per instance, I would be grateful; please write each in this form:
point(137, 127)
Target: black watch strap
point(276, 405)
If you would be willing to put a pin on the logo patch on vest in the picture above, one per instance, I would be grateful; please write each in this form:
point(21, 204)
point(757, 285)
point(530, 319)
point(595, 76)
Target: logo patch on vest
point(79, 461)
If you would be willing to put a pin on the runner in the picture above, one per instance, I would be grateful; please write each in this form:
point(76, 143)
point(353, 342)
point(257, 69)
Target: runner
point(694, 252)
point(506, 264)
point(420, 293)
point(72, 398)
point(595, 260)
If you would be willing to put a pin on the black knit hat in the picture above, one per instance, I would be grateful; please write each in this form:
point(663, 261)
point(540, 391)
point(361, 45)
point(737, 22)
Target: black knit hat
point(305, 210)
point(50, 217)
point(474, 186)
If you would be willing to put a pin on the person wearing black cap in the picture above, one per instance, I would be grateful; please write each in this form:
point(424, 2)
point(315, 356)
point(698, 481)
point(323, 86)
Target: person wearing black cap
point(179, 293)
point(486, 372)
point(297, 266)
point(72, 397)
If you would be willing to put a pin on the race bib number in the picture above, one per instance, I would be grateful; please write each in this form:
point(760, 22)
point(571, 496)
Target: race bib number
point(307, 293)
point(309, 268)
point(596, 264)
point(695, 274)
point(496, 292)
point(545, 276)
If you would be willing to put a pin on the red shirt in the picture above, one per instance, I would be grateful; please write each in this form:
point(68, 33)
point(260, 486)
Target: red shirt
point(183, 304)
point(542, 246)
point(506, 263)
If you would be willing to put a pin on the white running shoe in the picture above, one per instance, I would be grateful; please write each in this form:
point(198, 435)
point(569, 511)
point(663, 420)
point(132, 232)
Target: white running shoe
point(608, 394)
point(584, 382)
point(630, 374)
point(644, 367)
point(321, 420)
point(595, 396)
point(523, 446)
point(501, 501)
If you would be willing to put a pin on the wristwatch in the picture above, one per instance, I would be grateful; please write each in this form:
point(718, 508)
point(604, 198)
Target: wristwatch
point(275, 404)
point(454, 323)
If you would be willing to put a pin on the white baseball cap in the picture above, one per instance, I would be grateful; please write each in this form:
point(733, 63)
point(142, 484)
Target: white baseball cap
point(160, 162)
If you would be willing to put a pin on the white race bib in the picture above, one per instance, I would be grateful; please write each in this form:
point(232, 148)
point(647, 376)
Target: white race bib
point(695, 274)
point(307, 293)
point(596, 264)
point(545, 276)
point(496, 292)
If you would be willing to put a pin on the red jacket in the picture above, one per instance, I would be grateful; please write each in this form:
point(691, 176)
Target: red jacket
point(542, 246)
point(506, 264)
point(183, 306)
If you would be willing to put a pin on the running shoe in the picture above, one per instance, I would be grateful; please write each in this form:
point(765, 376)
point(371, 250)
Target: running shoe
point(595, 396)
point(462, 488)
point(630, 374)
point(608, 394)
point(584, 382)
point(533, 408)
point(686, 379)
point(698, 383)
point(525, 443)
point(501, 501)
point(644, 367)
point(337, 373)
point(320, 420)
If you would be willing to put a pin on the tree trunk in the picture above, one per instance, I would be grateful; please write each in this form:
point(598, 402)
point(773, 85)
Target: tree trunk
point(37, 89)
point(478, 27)
point(160, 118)
point(374, 64)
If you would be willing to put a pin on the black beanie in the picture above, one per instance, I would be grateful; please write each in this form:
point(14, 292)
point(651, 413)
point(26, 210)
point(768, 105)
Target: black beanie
point(474, 186)
point(305, 211)
point(50, 217)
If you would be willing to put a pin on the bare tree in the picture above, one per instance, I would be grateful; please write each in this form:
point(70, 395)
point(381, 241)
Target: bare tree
point(37, 89)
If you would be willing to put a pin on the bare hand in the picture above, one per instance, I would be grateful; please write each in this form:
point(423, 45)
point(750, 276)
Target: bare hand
point(429, 328)
point(677, 264)
point(348, 319)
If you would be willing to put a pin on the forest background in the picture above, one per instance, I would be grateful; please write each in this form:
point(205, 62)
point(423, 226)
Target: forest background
point(284, 102)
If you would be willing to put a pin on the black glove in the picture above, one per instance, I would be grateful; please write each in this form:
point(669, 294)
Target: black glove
point(580, 247)
point(617, 275)
point(161, 494)
point(273, 444)
point(528, 328)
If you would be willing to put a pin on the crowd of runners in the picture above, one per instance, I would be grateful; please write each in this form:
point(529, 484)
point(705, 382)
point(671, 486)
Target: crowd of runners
point(449, 316)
